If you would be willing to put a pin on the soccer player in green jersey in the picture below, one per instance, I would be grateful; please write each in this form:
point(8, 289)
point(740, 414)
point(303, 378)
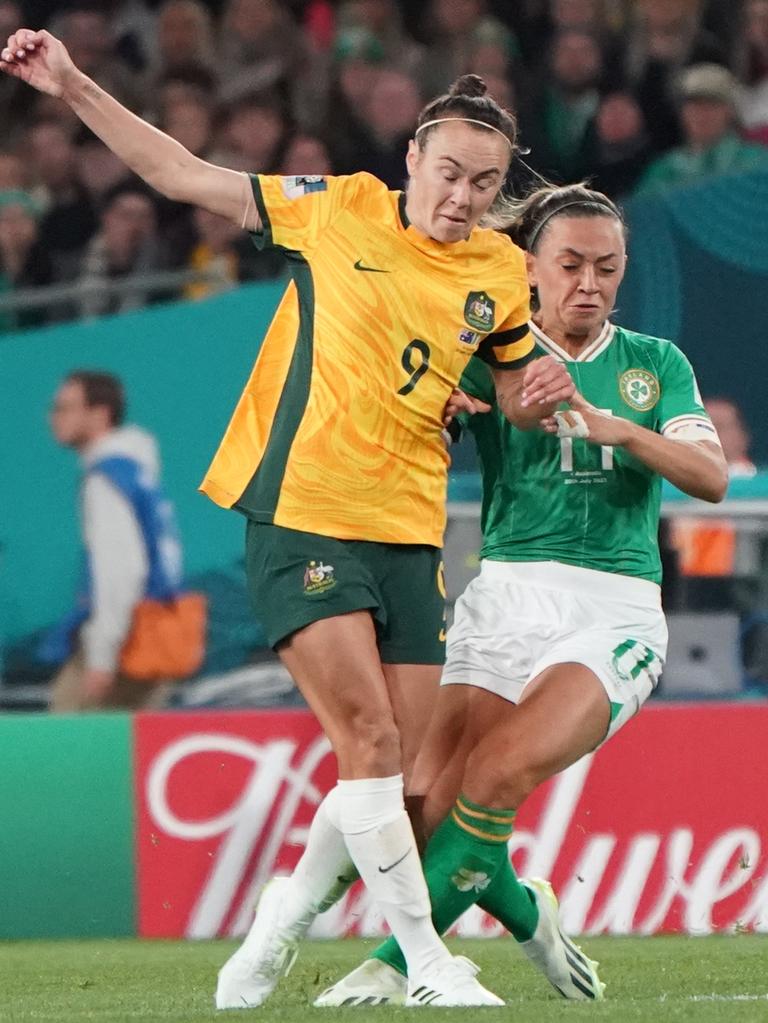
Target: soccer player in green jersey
point(561, 638)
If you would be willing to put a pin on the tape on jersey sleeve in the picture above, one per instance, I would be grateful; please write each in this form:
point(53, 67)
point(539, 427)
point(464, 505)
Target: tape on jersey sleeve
point(690, 428)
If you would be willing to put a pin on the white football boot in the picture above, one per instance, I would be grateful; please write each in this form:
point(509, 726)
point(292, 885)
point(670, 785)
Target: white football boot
point(453, 983)
point(374, 982)
point(564, 965)
point(268, 952)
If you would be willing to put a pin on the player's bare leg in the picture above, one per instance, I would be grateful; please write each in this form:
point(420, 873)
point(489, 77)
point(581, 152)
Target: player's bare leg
point(462, 716)
point(325, 872)
point(336, 666)
point(564, 714)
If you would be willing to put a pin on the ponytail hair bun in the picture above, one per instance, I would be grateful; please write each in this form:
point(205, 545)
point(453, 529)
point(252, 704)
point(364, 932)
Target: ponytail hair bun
point(468, 85)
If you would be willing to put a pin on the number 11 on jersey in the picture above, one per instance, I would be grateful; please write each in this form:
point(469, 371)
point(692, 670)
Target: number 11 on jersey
point(566, 450)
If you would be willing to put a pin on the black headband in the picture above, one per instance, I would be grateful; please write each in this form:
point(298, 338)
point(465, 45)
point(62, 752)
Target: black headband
point(568, 205)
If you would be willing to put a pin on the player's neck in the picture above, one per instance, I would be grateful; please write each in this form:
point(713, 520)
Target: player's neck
point(570, 341)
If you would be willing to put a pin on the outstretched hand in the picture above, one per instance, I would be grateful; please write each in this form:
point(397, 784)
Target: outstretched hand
point(39, 59)
point(603, 427)
point(546, 381)
point(461, 402)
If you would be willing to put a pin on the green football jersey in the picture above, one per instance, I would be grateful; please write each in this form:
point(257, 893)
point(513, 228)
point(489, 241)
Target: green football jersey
point(555, 499)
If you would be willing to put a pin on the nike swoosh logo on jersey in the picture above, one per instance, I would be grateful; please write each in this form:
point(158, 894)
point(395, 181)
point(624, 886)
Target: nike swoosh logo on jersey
point(370, 269)
point(386, 870)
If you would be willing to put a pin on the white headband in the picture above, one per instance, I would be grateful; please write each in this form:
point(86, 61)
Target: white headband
point(466, 120)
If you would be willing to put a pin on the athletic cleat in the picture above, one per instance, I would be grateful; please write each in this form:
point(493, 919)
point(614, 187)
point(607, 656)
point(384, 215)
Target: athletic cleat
point(564, 965)
point(251, 974)
point(374, 982)
point(452, 984)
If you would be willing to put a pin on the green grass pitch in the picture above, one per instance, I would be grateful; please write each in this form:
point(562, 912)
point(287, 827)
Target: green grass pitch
point(719, 978)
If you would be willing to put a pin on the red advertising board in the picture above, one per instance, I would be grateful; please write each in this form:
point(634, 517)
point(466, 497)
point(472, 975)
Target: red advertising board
point(665, 828)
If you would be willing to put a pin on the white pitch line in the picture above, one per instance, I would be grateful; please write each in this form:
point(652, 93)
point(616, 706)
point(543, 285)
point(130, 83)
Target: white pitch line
point(727, 998)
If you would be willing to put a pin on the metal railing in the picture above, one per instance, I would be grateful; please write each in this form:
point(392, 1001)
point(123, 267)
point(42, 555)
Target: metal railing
point(151, 284)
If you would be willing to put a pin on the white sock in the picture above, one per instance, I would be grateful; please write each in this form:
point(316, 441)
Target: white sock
point(380, 840)
point(324, 872)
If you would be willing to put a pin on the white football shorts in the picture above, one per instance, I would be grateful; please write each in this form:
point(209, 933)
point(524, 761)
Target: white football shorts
point(517, 618)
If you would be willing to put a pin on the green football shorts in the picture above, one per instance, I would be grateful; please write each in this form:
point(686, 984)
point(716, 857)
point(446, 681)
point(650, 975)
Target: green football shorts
point(296, 578)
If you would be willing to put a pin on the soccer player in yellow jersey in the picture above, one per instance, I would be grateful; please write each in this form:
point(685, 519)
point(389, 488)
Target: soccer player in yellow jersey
point(334, 455)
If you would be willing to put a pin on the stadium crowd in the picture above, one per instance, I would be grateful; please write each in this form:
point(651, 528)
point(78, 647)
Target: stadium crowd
point(636, 95)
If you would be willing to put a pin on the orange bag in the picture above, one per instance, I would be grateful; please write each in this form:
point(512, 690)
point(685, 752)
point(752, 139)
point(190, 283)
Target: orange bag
point(167, 638)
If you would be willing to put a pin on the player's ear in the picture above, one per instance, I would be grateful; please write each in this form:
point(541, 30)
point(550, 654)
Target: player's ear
point(530, 266)
point(412, 156)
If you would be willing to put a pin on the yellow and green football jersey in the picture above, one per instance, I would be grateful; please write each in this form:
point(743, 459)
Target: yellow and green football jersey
point(338, 430)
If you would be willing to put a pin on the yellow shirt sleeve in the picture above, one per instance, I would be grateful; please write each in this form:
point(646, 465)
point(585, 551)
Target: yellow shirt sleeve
point(294, 211)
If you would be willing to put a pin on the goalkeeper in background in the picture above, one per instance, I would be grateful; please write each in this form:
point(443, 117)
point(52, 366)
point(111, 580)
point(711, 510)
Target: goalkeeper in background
point(561, 638)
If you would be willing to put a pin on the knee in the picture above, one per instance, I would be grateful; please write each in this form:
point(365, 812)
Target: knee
point(370, 745)
point(497, 781)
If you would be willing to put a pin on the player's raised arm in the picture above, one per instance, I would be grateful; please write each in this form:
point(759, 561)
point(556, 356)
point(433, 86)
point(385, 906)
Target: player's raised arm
point(693, 461)
point(42, 61)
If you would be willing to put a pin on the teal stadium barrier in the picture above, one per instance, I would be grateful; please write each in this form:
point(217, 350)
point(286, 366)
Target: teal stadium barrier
point(183, 366)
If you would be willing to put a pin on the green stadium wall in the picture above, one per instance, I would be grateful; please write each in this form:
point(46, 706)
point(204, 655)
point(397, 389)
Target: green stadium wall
point(66, 827)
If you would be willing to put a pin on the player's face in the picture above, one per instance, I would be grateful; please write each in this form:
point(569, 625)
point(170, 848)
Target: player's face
point(454, 179)
point(577, 269)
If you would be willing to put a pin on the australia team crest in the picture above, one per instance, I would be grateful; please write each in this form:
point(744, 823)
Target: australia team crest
point(318, 577)
point(480, 311)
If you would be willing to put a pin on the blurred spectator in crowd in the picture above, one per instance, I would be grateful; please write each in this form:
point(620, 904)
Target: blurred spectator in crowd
point(751, 57)
point(14, 103)
point(255, 132)
point(733, 433)
point(707, 547)
point(664, 37)
point(125, 247)
point(306, 154)
point(501, 88)
point(227, 256)
point(382, 19)
point(559, 125)
point(190, 83)
point(711, 144)
point(752, 63)
point(87, 35)
point(455, 29)
point(391, 113)
point(587, 15)
point(260, 46)
point(98, 169)
point(69, 220)
point(14, 172)
point(24, 262)
point(319, 23)
point(622, 148)
point(600, 18)
point(131, 549)
point(185, 38)
point(357, 60)
point(215, 254)
point(189, 121)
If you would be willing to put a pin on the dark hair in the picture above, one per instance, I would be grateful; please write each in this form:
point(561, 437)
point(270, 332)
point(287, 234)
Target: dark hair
point(101, 389)
point(538, 209)
point(468, 98)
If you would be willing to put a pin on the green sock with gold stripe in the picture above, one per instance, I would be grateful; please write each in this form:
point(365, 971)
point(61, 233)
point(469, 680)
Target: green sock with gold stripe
point(511, 903)
point(460, 862)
